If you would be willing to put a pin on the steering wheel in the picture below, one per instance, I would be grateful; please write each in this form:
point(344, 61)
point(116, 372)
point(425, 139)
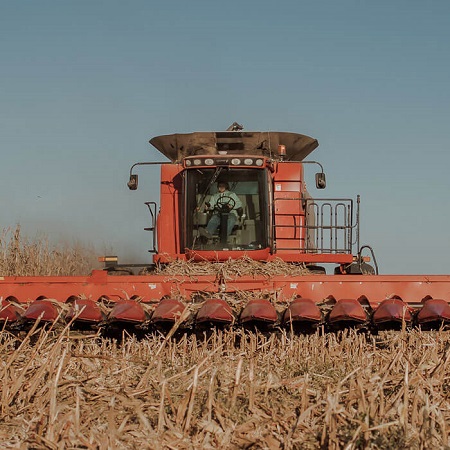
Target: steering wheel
point(225, 204)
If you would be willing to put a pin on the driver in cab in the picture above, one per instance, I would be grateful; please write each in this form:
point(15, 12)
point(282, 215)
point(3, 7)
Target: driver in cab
point(222, 202)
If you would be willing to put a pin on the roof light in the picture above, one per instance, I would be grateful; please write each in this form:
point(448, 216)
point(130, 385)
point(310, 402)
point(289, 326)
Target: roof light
point(235, 161)
point(282, 151)
point(209, 161)
point(197, 162)
point(187, 162)
point(248, 161)
point(259, 162)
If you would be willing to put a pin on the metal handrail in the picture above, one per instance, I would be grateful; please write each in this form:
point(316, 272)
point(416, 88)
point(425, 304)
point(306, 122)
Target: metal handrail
point(331, 225)
point(152, 208)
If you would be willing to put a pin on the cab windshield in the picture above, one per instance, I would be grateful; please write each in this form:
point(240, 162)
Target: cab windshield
point(226, 209)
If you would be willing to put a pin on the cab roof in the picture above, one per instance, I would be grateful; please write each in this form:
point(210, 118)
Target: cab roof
point(261, 143)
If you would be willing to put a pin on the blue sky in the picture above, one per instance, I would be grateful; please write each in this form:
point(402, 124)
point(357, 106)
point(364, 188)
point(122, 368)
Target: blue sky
point(85, 84)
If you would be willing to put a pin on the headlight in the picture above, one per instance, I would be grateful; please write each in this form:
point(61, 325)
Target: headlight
point(197, 162)
point(248, 161)
point(209, 161)
point(259, 162)
point(235, 161)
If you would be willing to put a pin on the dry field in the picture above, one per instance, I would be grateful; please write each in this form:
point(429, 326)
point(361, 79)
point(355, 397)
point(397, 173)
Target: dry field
point(227, 389)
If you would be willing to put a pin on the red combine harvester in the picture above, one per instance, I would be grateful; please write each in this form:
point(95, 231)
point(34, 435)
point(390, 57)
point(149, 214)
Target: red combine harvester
point(238, 196)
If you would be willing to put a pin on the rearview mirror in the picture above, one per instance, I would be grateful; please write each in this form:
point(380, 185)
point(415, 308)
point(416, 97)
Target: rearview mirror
point(321, 181)
point(133, 182)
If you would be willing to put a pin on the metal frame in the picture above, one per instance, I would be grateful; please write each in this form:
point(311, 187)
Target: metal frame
point(340, 233)
point(152, 208)
point(334, 216)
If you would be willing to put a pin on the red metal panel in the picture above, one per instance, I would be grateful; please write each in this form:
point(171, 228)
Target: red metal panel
point(289, 173)
point(290, 231)
point(411, 288)
point(9, 312)
point(45, 310)
point(168, 310)
point(347, 310)
point(151, 288)
point(96, 286)
point(215, 310)
point(392, 310)
point(302, 310)
point(434, 310)
point(289, 215)
point(168, 231)
point(288, 202)
point(290, 219)
point(287, 246)
point(284, 184)
point(127, 311)
point(85, 310)
point(260, 310)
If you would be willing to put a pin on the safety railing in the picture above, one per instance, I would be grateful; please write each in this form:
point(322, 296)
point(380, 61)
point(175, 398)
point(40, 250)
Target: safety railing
point(329, 225)
point(324, 226)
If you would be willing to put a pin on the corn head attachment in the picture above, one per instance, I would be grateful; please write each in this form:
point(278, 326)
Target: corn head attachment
point(302, 303)
point(228, 197)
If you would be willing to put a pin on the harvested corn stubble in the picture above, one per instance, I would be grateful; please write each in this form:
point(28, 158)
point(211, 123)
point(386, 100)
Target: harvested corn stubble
point(228, 389)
